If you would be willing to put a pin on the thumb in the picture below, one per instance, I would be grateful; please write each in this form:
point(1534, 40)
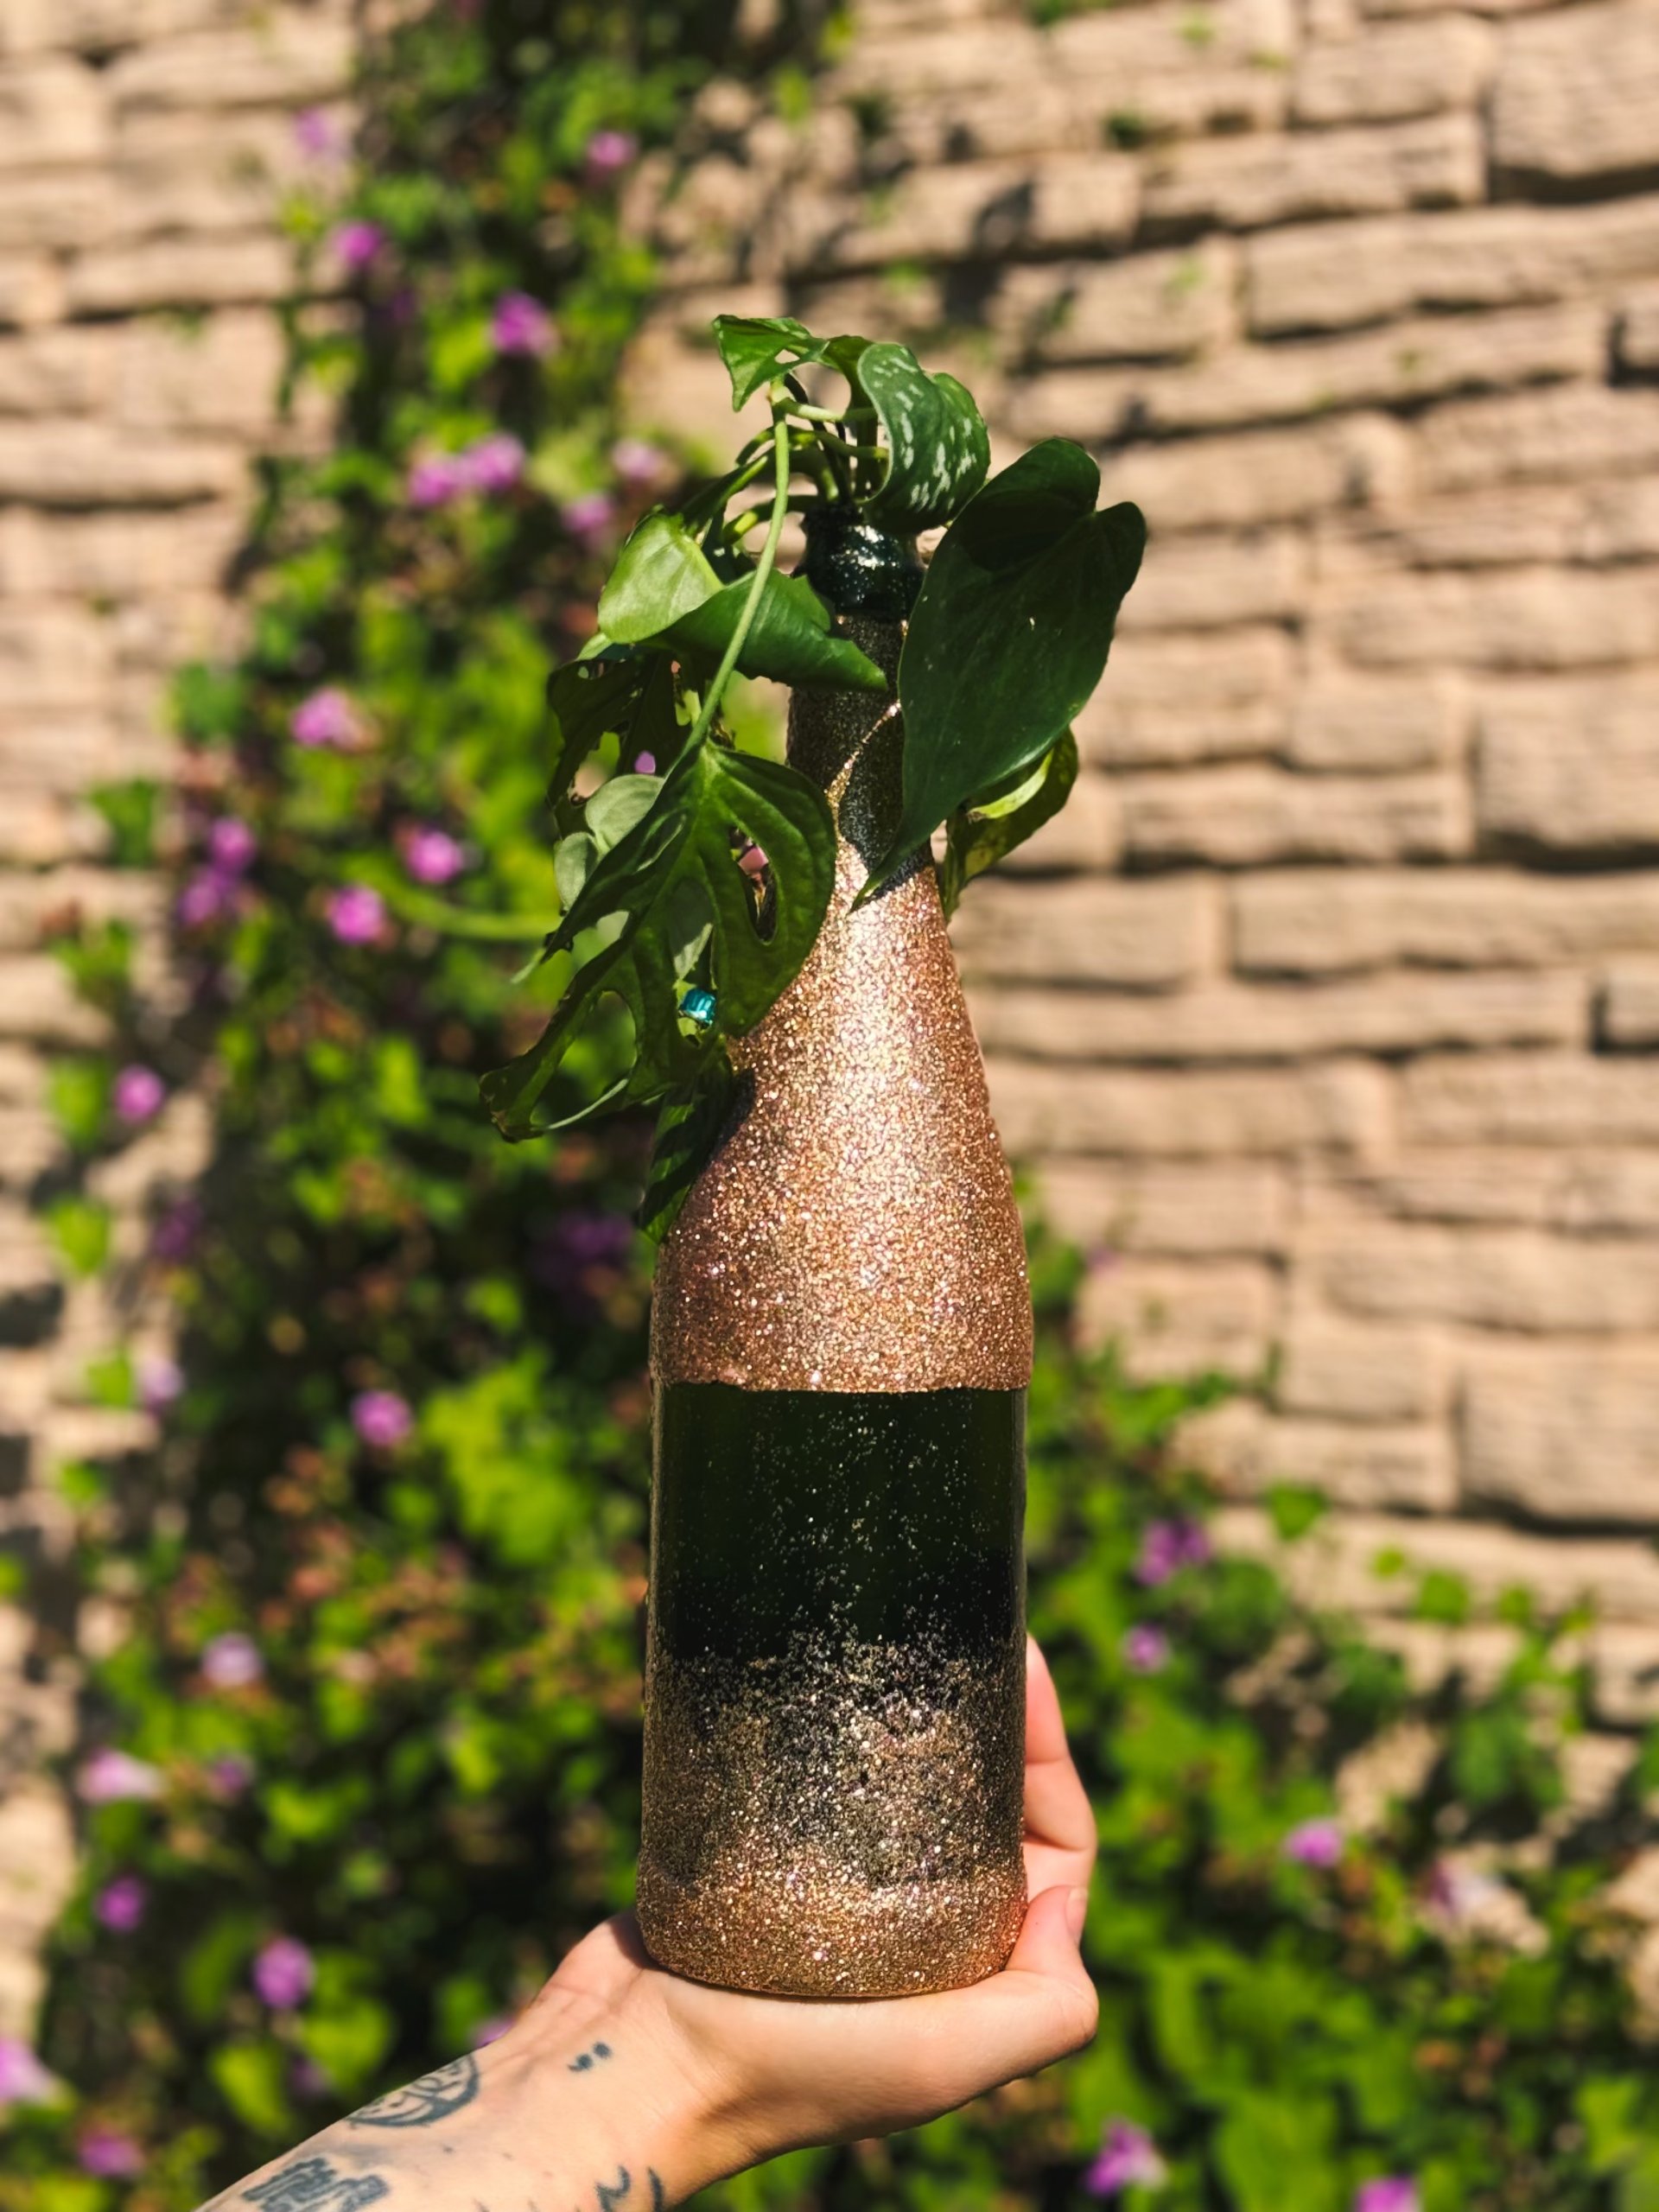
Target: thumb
point(1049, 1939)
point(1045, 2002)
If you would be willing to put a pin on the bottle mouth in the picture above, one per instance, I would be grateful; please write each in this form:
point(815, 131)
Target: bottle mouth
point(857, 568)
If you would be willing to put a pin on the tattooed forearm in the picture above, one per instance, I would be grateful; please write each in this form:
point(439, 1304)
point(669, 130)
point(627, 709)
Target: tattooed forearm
point(314, 2185)
point(584, 2060)
point(434, 2097)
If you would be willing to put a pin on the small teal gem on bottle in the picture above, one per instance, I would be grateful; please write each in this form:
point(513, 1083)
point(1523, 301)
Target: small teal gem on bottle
point(699, 1006)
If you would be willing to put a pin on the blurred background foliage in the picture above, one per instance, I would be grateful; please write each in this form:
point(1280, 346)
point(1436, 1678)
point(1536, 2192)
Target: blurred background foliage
point(360, 1754)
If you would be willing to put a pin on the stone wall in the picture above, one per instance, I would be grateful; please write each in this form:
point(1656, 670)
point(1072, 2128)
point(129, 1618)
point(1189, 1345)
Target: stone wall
point(144, 147)
point(1329, 1013)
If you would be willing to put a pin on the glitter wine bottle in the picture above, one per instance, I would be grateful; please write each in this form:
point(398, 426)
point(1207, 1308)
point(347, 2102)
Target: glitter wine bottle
point(841, 1346)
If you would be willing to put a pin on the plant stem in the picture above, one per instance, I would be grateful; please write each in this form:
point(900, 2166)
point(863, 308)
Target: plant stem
point(834, 414)
point(422, 912)
point(712, 696)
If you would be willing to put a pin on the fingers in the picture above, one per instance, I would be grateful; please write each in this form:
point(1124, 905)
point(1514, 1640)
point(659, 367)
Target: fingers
point(1059, 1819)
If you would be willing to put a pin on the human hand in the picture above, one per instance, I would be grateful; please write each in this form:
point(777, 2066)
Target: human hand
point(775, 2072)
point(625, 2088)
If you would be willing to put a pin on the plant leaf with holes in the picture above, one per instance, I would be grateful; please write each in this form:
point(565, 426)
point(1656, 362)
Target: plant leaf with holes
point(938, 446)
point(675, 881)
point(977, 837)
point(1010, 634)
point(688, 1130)
point(631, 700)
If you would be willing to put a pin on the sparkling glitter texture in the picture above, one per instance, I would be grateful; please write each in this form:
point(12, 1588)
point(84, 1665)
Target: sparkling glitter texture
point(857, 1228)
point(834, 1698)
point(834, 1692)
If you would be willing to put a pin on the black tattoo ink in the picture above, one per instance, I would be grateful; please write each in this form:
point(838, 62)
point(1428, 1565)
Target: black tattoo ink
point(610, 2198)
point(313, 2185)
point(658, 2201)
point(581, 2063)
point(434, 2097)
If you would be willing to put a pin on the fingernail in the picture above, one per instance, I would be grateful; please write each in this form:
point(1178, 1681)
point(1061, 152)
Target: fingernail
point(1077, 1908)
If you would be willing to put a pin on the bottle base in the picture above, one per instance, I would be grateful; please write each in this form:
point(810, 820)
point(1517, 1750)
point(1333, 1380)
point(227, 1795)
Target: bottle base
point(801, 1931)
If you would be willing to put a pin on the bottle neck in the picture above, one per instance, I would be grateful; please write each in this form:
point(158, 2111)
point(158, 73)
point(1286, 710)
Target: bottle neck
point(851, 744)
point(857, 568)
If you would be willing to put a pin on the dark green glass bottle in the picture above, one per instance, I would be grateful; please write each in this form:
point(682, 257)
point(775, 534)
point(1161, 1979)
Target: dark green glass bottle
point(841, 1342)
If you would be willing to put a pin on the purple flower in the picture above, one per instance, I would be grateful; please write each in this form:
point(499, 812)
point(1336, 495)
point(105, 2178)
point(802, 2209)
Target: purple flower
point(381, 1418)
point(327, 717)
point(1388, 2193)
point(608, 153)
point(753, 861)
point(233, 1662)
point(1166, 1548)
point(357, 244)
point(284, 1974)
point(1313, 1843)
point(645, 764)
point(495, 463)
point(590, 517)
point(174, 1234)
point(161, 1383)
point(23, 2080)
point(231, 845)
point(356, 914)
point(207, 895)
point(316, 133)
point(432, 855)
point(490, 2031)
point(1146, 1648)
point(522, 325)
point(307, 2079)
point(120, 1905)
point(138, 1094)
point(1127, 2155)
point(230, 1773)
point(105, 2151)
point(635, 462)
point(110, 1778)
point(436, 480)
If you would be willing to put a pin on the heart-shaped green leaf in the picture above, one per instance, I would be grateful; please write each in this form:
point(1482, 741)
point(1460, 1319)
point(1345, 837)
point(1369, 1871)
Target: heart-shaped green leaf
point(975, 838)
point(937, 442)
point(660, 573)
point(672, 876)
point(757, 348)
point(1010, 634)
point(791, 639)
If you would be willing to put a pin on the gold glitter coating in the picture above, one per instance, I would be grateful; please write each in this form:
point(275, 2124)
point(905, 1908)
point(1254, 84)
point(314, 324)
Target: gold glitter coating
point(855, 1228)
point(842, 1821)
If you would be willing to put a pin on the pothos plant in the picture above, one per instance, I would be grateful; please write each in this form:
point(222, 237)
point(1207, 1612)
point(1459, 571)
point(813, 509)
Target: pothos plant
point(695, 878)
